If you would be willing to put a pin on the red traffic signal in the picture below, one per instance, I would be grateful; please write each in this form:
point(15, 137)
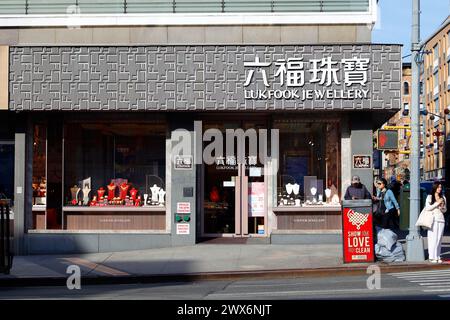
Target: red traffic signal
point(387, 140)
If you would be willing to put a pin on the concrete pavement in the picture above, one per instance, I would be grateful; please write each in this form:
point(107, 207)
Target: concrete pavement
point(198, 262)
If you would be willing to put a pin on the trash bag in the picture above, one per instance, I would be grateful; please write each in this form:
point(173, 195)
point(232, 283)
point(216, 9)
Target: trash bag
point(395, 255)
point(386, 238)
point(388, 249)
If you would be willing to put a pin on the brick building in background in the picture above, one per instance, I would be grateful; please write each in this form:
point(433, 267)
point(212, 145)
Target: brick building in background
point(397, 163)
point(436, 74)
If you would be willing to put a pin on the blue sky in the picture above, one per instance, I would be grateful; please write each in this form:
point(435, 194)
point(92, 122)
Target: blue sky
point(394, 21)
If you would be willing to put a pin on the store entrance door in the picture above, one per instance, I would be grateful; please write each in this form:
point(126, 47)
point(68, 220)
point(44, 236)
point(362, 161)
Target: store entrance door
point(234, 194)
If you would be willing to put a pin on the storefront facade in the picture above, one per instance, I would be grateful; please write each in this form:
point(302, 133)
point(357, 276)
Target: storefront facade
point(143, 146)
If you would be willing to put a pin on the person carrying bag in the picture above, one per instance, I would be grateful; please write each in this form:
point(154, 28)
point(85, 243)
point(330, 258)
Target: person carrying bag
point(432, 218)
point(387, 206)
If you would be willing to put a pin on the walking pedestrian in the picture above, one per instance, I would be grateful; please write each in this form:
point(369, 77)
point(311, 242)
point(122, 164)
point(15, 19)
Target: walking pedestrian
point(388, 209)
point(437, 203)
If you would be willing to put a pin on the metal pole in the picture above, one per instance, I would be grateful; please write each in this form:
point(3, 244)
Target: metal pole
point(414, 243)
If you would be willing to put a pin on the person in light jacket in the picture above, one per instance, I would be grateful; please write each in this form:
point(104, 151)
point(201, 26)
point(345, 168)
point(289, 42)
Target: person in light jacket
point(392, 209)
point(436, 203)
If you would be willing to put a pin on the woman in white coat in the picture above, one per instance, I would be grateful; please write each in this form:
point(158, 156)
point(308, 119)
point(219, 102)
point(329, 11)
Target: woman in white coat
point(436, 203)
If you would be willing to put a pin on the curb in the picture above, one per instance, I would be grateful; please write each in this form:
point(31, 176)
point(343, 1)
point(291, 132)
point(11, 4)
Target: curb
point(216, 276)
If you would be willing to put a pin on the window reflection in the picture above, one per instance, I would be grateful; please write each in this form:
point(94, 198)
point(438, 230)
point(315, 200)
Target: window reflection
point(309, 162)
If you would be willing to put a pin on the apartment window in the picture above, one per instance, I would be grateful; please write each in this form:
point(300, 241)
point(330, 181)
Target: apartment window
point(436, 52)
point(436, 108)
point(448, 43)
point(405, 88)
point(421, 87)
point(405, 109)
point(436, 83)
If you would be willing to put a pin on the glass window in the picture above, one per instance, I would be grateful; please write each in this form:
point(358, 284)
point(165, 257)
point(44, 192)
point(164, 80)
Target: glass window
point(436, 107)
point(406, 106)
point(113, 164)
point(436, 52)
point(39, 183)
point(309, 157)
point(405, 88)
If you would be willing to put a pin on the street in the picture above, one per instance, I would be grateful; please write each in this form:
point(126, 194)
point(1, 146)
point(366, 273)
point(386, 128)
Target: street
point(406, 285)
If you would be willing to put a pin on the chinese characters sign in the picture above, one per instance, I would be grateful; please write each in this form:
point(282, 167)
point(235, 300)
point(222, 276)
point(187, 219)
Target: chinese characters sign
point(362, 162)
point(230, 162)
point(292, 73)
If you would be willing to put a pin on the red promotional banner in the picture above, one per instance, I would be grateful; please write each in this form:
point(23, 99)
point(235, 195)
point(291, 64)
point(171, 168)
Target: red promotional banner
point(358, 235)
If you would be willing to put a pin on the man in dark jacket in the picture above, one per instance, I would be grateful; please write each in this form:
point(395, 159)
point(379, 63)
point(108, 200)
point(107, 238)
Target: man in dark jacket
point(357, 190)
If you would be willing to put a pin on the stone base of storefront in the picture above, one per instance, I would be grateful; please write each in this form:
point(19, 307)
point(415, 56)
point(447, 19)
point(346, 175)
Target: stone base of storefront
point(71, 243)
point(86, 242)
point(310, 237)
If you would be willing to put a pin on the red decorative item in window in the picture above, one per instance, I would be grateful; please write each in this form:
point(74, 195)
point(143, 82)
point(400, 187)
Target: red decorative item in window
point(137, 202)
point(133, 193)
point(111, 191)
point(124, 190)
point(101, 192)
point(214, 194)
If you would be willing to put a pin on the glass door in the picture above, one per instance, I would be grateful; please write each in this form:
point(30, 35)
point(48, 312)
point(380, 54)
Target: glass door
point(234, 190)
point(219, 207)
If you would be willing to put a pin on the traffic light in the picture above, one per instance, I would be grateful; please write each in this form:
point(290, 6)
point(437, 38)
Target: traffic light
point(387, 140)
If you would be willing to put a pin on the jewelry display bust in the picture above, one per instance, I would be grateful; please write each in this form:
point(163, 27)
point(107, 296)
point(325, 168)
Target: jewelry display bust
point(101, 193)
point(124, 190)
point(145, 199)
point(313, 192)
point(295, 188)
point(137, 202)
point(155, 190)
point(320, 198)
point(328, 194)
point(161, 195)
point(111, 191)
point(75, 190)
point(289, 188)
point(133, 193)
point(86, 192)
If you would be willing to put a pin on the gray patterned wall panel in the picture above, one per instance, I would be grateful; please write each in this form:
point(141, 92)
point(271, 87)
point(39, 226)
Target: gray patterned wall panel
point(186, 77)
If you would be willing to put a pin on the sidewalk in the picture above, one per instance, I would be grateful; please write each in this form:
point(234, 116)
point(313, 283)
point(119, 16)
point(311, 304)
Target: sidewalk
point(199, 262)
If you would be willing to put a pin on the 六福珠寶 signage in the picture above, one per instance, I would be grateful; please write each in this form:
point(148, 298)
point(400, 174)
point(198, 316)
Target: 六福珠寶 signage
point(292, 74)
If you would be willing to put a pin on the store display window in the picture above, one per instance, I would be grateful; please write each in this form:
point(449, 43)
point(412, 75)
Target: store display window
point(114, 165)
point(39, 183)
point(309, 172)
